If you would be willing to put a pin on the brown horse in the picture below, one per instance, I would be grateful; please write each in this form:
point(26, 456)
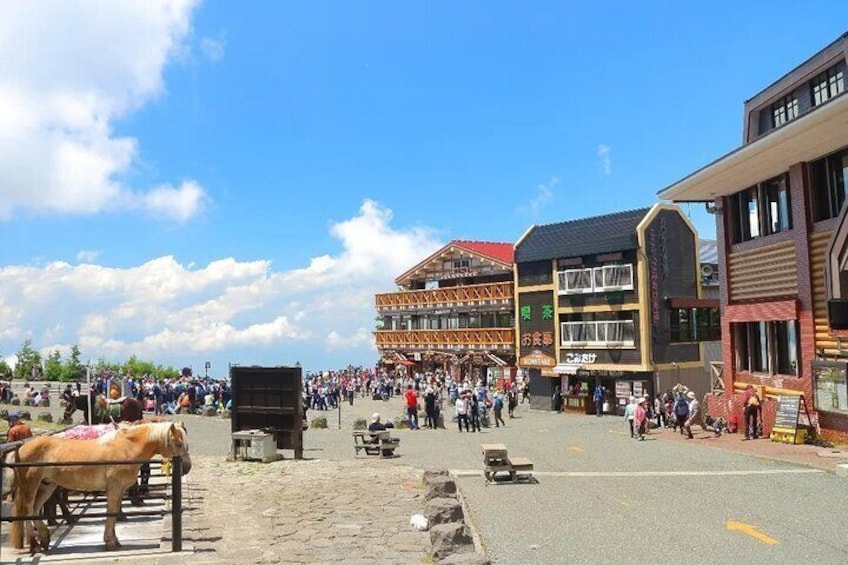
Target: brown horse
point(34, 485)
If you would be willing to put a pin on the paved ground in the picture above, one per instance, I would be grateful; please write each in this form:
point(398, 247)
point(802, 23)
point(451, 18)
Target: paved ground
point(600, 498)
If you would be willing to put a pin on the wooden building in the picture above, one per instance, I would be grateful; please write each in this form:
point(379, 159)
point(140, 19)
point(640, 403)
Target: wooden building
point(612, 301)
point(779, 204)
point(454, 311)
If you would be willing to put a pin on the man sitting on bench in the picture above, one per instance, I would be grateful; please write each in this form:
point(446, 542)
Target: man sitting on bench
point(377, 425)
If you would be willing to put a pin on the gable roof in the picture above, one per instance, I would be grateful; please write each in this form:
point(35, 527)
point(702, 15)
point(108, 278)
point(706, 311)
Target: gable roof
point(587, 236)
point(501, 253)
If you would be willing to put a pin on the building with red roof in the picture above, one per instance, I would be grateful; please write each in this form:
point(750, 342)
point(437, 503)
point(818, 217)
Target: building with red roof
point(454, 310)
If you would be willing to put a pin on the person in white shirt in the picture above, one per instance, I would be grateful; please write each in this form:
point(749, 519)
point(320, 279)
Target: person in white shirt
point(462, 412)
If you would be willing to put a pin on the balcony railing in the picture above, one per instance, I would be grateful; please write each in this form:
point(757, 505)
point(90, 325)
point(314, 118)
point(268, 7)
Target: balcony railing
point(599, 334)
point(472, 295)
point(598, 279)
point(476, 338)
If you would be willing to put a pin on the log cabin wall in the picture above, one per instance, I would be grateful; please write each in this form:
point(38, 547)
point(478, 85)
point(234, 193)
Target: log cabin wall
point(818, 253)
point(764, 272)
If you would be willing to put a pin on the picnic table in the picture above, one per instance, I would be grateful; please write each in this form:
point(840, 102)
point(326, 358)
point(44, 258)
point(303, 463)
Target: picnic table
point(497, 460)
point(375, 443)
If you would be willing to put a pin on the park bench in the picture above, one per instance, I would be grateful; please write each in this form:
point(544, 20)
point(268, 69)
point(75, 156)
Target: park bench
point(497, 460)
point(375, 443)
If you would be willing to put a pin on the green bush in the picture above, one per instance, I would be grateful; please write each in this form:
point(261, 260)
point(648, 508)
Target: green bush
point(319, 423)
point(360, 424)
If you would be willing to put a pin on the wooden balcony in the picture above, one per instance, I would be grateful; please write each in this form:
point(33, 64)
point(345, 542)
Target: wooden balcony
point(488, 339)
point(471, 295)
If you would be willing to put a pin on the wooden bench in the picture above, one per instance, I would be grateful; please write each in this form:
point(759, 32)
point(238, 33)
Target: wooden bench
point(375, 443)
point(496, 460)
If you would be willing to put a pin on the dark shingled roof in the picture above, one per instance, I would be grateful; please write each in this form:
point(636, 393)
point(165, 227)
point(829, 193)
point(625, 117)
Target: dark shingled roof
point(588, 236)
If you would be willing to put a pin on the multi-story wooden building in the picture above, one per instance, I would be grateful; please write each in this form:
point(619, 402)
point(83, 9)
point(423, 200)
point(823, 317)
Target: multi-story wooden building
point(612, 301)
point(779, 203)
point(454, 311)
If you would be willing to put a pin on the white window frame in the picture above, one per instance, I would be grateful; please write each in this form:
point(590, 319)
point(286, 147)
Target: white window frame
point(600, 330)
point(564, 287)
point(603, 271)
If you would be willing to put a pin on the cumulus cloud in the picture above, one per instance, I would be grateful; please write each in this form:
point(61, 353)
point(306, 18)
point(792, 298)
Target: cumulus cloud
point(68, 70)
point(544, 195)
point(606, 160)
point(228, 309)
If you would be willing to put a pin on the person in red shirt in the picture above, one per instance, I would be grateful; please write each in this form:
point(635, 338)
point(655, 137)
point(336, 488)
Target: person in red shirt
point(411, 399)
point(18, 431)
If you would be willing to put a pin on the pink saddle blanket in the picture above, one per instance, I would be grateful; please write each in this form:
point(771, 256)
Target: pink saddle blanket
point(85, 432)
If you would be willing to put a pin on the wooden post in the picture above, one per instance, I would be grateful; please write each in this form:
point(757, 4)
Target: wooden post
point(177, 503)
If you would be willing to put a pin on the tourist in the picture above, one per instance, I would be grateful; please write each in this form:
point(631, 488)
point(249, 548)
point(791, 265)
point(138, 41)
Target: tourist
point(525, 390)
point(694, 412)
point(681, 412)
point(629, 415)
point(474, 411)
point(556, 399)
point(659, 409)
point(18, 431)
point(411, 399)
point(640, 419)
point(431, 407)
point(498, 404)
point(750, 411)
point(598, 397)
point(461, 408)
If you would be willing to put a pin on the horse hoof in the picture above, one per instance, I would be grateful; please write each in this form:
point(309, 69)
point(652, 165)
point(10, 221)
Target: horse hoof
point(122, 517)
point(113, 545)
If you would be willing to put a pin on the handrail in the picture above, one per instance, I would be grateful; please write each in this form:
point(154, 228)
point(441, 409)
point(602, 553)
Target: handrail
point(474, 293)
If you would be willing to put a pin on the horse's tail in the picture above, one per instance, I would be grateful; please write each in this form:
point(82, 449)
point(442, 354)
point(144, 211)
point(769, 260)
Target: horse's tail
point(10, 483)
point(9, 473)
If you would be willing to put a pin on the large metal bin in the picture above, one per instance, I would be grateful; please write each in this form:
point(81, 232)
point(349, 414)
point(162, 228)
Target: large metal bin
point(269, 398)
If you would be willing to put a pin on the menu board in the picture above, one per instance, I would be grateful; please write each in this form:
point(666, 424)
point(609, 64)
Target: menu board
point(788, 409)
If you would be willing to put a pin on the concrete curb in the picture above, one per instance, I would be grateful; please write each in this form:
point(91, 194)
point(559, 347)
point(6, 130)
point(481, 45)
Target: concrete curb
point(466, 511)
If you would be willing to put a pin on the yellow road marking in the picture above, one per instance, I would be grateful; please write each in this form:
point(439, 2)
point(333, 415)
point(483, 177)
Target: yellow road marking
point(541, 431)
point(576, 448)
point(751, 531)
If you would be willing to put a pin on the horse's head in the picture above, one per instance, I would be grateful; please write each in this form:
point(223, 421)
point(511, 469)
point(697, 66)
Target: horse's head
point(177, 444)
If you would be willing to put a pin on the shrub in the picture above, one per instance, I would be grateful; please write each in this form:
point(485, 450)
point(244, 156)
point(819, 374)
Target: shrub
point(360, 424)
point(25, 415)
point(319, 423)
point(16, 401)
point(46, 417)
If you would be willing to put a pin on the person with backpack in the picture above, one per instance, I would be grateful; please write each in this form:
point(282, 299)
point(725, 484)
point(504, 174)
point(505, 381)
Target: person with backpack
point(497, 405)
point(750, 411)
point(598, 397)
point(681, 412)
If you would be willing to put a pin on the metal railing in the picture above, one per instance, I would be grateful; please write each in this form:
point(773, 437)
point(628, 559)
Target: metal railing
point(176, 493)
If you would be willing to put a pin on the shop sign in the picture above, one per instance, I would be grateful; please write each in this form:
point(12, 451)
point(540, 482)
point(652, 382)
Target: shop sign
point(526, 312)
point(581, 358)
point(537, 359)
point(622, 389)
point(537, 339)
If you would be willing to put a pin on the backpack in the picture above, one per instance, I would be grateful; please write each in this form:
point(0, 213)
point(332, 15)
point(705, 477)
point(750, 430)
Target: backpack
point(681, 408)
point(498, 403)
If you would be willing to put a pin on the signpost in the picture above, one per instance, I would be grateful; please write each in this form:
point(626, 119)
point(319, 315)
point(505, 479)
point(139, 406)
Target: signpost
point(786, 419)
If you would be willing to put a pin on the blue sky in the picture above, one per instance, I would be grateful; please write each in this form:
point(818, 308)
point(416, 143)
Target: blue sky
point(233, 181)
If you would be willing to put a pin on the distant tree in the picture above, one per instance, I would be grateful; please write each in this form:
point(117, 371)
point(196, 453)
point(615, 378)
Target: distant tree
point(73, 369)
point(5, 370)
point(53, 366)
point(28, 359)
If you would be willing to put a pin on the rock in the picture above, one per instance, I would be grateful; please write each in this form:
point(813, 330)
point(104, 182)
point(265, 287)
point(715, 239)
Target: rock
point(319, 423)
point(429, 474)
point(48, 417)
point(443, 511)
point(209, 411)
point(360, 424)
point(449, 539)
point(4, 414)
point(25, 415)
point(440, 487)
point(465, 559)
point(16, 401)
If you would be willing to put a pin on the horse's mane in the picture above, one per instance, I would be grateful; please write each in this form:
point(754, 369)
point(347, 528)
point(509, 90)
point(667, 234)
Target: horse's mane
point(159, 430)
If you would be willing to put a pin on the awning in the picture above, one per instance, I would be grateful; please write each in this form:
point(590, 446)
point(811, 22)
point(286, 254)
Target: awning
point(805, 138)
point(567, 368)
point(496, 360)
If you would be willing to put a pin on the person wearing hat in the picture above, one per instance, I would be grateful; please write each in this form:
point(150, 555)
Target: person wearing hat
point(640, 417)
point(694, 412)
point(18, 430)
point(431, 408)
point(376, 425)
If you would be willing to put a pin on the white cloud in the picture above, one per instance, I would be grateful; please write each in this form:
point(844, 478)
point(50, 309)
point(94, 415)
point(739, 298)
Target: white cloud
point(228, 310)
point(68, 70)
point(606, 160)
point(544, 195)
point(213, 49)
point(87, 255)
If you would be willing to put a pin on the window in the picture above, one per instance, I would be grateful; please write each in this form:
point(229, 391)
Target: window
point(461, 263)
point(599, 279)
point(831, 387)
point(784, 110)
point(827, 85)
point(763, 209)
point(599, 329)
point(695, 324)
point(767, 347)
point(827, 179)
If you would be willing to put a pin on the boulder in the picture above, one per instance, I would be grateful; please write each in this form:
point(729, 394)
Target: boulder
point(16, 401)
point(465, 559)
point(450, 539)
point(443, 511)
point(429, 474)
point(209, 411)
point(25, 415)
point(46, 417)
point(440, 487)
point(4, 414)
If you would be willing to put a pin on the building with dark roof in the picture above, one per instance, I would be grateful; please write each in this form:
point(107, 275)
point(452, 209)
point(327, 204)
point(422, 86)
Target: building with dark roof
point(454, 311)
point(779, 203)
point(612, 301)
